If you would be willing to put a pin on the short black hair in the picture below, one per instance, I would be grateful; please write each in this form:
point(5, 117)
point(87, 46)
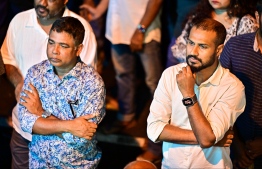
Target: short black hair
point(72, 26)
point(209, 24)
point(259, 6)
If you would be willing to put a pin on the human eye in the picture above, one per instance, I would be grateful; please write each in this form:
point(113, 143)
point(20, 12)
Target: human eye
point(189, 42)
point(64, 46)
point(203, 46)
point(50, 42)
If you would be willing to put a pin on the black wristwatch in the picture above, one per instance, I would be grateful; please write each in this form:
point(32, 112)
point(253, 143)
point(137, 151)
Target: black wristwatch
point(189, 101)
point(46, 114)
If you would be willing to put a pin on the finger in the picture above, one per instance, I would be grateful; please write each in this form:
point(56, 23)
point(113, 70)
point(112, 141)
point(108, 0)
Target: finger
point(230, 136)
point(184, 69)
point(188, 70)
point(88, 116)
point(28, 93)
point(24, 99)
point(87, 138)
point(32, 87)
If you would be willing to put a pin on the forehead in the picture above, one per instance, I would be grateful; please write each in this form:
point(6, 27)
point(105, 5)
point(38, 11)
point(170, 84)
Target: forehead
point(61, 37)
point(51, 1)
point(198, 35)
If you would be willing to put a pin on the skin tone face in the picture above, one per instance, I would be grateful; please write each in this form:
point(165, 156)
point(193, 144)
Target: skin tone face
point(219, 4)
point(259, 21)
point(62, 52)
point(202, 51)
point(46, 9)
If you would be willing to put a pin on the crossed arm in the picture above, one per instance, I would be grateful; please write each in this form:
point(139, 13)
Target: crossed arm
point(79, 127)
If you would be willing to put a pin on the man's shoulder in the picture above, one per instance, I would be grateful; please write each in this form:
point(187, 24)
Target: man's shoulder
point(21, 16)
point(39, 67)
point(243, 39)
point(230, 78)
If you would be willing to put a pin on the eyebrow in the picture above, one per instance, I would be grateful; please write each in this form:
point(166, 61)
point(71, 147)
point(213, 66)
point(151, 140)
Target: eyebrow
point(197, 43)
point(60, 43)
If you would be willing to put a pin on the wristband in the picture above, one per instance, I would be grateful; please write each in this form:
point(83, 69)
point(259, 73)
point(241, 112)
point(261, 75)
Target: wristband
point(141, 28)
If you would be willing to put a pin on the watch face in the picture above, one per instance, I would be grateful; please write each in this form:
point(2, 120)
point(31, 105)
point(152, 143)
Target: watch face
point(187, 101)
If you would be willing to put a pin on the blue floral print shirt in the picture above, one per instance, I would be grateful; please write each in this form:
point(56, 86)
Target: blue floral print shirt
point(82, 84)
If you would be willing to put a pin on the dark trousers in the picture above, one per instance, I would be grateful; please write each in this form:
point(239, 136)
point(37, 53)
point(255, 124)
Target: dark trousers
point(20, 151)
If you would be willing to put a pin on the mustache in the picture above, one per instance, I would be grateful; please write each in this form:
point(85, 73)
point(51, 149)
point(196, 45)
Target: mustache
point(41, 6)
point(193, 56)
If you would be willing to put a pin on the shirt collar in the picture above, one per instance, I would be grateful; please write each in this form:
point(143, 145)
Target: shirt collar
point(75, 72)
point(32, 22)
point(216, 77)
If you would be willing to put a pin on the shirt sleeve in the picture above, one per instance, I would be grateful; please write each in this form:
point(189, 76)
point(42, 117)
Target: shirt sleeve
point(160, 109)
point(247, 25)
point(26, 119)
point(230, 104)
point(92, 102)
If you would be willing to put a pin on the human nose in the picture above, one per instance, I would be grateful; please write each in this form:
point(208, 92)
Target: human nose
point(43, 2)
point(194, 50)
point(55, 49)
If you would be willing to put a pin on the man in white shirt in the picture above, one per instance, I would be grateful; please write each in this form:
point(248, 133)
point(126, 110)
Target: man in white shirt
point(134, 29)
point(24, 46)
point(196, 103)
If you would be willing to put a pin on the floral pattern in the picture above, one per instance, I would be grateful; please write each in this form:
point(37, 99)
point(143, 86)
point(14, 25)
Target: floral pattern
point(82, 83)
point(247, 24)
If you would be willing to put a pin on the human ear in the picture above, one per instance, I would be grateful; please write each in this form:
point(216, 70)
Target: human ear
point(79, 49)
point(220, 49)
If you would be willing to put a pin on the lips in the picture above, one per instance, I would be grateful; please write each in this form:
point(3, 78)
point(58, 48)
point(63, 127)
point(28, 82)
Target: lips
point(54, 60)
point(41, 9)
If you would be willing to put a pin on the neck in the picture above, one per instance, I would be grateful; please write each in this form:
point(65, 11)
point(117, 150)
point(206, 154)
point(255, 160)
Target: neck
point(220, 11)
point(259, 39)
point(205, 74)
point(61, 72)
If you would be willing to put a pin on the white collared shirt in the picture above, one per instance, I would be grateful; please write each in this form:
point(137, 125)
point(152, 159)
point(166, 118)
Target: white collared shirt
point(123, 16)
point(25, 45)
point(222, 100)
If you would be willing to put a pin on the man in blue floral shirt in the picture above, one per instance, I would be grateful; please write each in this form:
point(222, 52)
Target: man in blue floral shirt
point(62, 103)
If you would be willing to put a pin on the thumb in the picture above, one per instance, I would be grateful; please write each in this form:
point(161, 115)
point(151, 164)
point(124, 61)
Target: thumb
point(88, 116)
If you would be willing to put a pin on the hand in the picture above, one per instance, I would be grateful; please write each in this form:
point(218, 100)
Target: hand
point(186, 81)
point(227, 139)
point(81, 127)
point(137, 41)
point(18, 90)
point(88, 12)
point(32, 101)
point(254, 148)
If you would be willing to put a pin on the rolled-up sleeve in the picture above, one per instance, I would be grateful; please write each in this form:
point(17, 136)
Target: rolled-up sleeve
point(160, 109)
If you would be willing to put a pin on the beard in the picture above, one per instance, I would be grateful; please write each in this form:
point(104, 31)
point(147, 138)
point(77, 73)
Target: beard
point(38, 7)
point(195, 68)
point(47, 11)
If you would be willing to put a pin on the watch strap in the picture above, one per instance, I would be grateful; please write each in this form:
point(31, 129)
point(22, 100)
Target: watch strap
point(189, 101)
point(46, 114)
point(141, 28)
